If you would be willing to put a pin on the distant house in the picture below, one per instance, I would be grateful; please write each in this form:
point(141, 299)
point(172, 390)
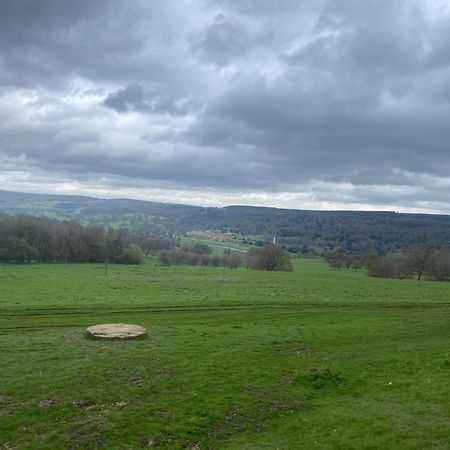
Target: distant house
point(214, 235)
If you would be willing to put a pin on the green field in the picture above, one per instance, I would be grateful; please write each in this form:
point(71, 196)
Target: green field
point(235, 359)
point(218, 248)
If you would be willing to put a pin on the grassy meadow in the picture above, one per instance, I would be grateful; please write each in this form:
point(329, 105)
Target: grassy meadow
point(234, 359)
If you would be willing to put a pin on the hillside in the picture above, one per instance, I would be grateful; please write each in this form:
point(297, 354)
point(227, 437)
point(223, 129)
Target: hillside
point(353, 230)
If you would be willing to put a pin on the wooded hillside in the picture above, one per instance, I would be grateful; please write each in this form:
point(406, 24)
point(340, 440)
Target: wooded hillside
point(355, 231)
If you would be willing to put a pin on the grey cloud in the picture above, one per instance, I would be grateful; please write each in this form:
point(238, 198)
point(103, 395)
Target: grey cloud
point(267, 8)
point(222, 41)
point(345, 100)
point(76, 136)
point(48, 44)
point(136, 98)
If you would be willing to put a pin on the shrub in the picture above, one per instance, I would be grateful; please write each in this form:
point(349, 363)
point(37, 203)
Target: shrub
point(132, 255)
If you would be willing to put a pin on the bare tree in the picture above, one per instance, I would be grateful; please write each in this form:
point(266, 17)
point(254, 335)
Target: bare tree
point(384, 267)
point(232, 260)
point(421, 258)
point(439, 267)
point(338, 258)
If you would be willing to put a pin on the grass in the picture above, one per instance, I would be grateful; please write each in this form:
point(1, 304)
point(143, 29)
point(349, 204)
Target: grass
point(219, 247)
point(235, 359)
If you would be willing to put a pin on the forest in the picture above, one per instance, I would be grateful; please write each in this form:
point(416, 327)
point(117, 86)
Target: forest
point(31, 239)
point(355, 231)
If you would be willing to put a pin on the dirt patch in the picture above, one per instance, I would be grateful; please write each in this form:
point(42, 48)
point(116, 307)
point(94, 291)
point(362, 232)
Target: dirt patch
point(72, 435)
point(83, 403)
point(49, 402)
point(9, 446)
point(288, 380)
point(257, 391)
point(5, 399)
point(4, 412)
point(298, 350)
point(278, 406)
point(116, 331)
point(164, 415)
point(303, 350)
point(150, 440)
point(121, 403)
point(74, 438)
point(233, 413)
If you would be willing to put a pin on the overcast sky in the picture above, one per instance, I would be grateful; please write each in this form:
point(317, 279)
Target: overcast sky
point(313, 104)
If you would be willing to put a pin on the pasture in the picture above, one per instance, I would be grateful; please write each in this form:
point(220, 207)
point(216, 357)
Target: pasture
point(235, 359)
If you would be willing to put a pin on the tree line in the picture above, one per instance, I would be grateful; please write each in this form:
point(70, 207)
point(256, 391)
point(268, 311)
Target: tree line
point(355, 231)
point(28, 239)
point(430, 260)
point(175, 257)
point(269, 257)
point(31, 239)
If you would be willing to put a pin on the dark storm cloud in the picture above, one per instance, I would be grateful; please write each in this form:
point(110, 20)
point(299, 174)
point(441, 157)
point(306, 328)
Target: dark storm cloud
point(48, 43)
point(344, 101)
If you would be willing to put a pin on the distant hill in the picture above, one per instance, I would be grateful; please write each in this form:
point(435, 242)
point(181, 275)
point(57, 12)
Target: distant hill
point(354, 230)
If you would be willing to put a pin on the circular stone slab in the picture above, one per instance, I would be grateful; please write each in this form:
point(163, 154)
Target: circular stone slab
point(116, 331)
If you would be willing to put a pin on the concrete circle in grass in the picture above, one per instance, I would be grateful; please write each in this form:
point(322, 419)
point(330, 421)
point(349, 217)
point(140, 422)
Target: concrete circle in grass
point(116, 331)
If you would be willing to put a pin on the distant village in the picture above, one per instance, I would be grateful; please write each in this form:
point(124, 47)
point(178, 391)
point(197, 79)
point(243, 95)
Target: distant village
point(213, 235)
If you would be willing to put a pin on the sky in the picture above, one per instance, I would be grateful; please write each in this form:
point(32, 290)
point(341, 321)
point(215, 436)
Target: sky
point(306, 104)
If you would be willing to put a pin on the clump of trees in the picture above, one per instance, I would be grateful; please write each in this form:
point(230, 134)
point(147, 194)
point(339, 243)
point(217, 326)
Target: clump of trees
point(152, 244)
point(269, 257)
point(132, 254)
point(31, 239)
point(389, 267)
point(339, 258)
point(429, 259)
point(198, 255)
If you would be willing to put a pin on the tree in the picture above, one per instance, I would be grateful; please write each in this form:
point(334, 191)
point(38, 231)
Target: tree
point(94, 242)
point(232, 260)
point(338, 258)
point(150, 245)
point(421, 258)
point(205, 260)
point(193, 259)
point(165, 258)
point(393, 267)
point(271, 257)
point(132, 255)
point(215, 260)
point(439, 267)
point(366, 257)
point(356, 264)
